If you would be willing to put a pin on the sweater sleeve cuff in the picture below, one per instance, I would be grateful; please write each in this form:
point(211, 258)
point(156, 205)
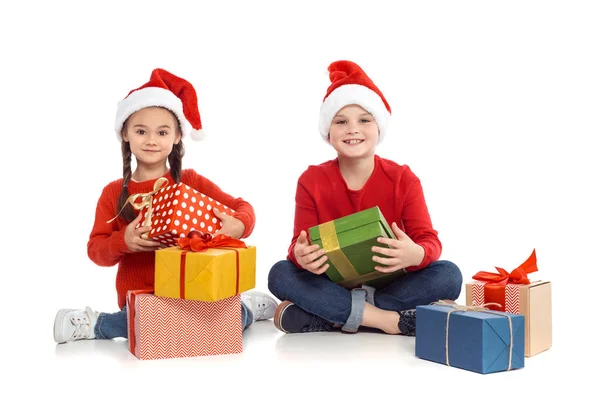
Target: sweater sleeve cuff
point(118, 244)
point(425, 262)
point(247, 221)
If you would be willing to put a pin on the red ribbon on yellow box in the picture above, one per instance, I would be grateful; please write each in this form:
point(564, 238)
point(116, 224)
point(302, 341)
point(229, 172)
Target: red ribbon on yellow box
point(197, 241)
point(495, 283)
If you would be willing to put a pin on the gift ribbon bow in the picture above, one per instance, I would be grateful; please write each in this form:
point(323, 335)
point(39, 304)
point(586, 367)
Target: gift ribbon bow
point(516, 276)
point(146, 201)
point(205, 241)
point(482, 308)
point(202, 242)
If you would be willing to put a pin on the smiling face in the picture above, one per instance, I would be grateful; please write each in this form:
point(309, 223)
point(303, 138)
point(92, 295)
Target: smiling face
point(151, 133)
point(354, 132)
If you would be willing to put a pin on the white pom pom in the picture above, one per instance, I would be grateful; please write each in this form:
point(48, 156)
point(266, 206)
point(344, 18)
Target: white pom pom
point(197, 134)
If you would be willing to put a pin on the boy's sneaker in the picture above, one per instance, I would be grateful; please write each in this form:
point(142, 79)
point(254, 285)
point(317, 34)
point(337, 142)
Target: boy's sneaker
point(70, 325)
point(289, 318)
point(262, 305)
point(408, 322)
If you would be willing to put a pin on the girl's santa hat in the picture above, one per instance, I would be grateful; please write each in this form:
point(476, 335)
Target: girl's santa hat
point(351, 85)
point(164, 90)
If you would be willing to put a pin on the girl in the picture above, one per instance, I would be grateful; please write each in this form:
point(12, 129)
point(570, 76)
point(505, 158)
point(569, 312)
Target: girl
point(151, 122)
point(354, 117)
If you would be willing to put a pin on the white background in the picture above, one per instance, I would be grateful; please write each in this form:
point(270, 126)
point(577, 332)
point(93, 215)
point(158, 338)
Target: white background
point(494, 107)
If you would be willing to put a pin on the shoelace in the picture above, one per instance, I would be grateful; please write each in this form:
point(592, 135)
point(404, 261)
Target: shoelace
point(260, 310)
point(408, 322)
point(318, 325)
point(82, 326)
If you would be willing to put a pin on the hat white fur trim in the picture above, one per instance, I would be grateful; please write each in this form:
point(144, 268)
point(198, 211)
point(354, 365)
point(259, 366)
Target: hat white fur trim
point(151, 97)
point(353, 94)
point(197, 134)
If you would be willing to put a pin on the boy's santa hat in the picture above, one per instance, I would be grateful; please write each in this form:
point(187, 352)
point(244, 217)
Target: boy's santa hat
point(351, 85)
point(164, 90)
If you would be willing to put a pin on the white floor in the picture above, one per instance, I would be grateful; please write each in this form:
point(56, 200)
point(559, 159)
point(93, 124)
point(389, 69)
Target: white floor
point(275, 365)
point(495, 108)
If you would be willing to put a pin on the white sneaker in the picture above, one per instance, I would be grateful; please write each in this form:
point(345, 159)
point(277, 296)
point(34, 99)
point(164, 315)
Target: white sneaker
point(70, 324)
point(261, 304)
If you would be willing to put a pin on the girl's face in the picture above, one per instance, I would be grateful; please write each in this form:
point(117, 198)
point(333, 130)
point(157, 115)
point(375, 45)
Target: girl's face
point(151, 133)
point(353, 132)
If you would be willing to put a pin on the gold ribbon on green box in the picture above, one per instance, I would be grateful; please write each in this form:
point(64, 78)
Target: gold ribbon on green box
point(331, 245)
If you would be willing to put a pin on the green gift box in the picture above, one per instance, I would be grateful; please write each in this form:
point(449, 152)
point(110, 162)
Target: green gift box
point(347, 242)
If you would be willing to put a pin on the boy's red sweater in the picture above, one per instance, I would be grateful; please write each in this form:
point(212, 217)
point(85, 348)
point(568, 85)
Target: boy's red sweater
point(322, 195)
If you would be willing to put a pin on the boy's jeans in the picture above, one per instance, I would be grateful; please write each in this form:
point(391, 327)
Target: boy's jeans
point(318, 295)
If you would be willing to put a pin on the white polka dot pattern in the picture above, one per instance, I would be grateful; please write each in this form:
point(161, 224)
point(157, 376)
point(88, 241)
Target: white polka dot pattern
point(179, 209)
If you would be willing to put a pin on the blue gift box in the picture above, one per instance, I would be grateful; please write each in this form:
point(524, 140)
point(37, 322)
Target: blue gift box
point(478, 341)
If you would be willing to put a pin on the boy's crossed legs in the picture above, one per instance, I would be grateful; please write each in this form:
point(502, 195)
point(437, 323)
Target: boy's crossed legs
point(314, 303)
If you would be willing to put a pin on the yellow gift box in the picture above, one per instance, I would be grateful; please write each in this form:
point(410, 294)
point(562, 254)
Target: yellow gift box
point(210, 275)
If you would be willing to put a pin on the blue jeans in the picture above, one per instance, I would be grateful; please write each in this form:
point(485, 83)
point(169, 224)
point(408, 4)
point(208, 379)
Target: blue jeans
point(110, 326)
point(318, 295)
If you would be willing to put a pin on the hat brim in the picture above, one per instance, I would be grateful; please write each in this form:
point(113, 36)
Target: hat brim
point(151, 97)
point(353, 94)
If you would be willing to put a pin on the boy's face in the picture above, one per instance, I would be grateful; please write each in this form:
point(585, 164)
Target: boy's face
point(353, 132)
point(151, 133)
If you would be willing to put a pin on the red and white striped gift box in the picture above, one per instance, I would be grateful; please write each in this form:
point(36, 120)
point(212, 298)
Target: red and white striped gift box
point(511, 296)
point(533, 300)
point(160, 327)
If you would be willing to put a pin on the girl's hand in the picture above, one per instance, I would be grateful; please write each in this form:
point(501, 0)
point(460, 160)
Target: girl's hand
point(307, 256)
point(232, 227)
point(403, 253)
point(133, 237)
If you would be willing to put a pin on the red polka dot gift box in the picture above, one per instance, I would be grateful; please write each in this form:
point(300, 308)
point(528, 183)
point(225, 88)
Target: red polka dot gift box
point(179, 209)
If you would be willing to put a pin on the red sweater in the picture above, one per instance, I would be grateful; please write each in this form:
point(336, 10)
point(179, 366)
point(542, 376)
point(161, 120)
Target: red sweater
point(323, 195)
point(106, 246)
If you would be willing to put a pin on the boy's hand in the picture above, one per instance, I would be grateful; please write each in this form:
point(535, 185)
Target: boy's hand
point(403, 253)
point(232, 227)
point(134, 240)
point(307, 256)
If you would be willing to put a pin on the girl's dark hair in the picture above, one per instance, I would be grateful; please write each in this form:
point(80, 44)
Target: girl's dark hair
point(175, 161)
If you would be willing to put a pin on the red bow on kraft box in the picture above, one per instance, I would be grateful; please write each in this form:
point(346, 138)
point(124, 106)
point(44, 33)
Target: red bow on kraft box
point(497, 287)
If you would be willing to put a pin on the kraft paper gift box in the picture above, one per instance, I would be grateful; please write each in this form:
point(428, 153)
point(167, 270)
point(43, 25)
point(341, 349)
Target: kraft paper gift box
point(212, 274)
point(174, 211)
point(475, 340)
point(347, 242)
point(516, 294)
point(160, 327)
